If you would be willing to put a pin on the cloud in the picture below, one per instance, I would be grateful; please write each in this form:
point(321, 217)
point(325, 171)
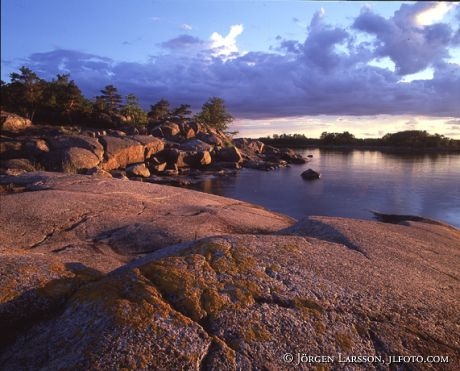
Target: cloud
point(186, 27)
point(410, 38)
point(318, 48)
point(225, 46)
point(433, 14)
point(182, 41)
point(453, 122)
point(327, 73)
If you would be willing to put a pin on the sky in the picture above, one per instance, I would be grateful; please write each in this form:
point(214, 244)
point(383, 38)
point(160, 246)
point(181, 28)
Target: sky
point(281, 66)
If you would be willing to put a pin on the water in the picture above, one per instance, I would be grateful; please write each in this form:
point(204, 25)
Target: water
point(353, 182)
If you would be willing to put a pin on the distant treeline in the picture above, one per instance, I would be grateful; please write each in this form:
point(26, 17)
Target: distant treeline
point(416, 139)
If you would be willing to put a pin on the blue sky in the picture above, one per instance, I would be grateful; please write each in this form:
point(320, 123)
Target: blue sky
point(281, 66)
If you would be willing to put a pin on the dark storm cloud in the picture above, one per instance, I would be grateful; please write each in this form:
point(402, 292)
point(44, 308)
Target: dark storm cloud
point(327, 73)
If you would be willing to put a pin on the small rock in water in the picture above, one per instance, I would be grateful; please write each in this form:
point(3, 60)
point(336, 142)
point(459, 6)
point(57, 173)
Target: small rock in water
point(310, 174)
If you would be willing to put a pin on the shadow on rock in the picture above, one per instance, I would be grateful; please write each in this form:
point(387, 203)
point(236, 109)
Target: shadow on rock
point(314, 228)
point(137, 238)
point(42, 303)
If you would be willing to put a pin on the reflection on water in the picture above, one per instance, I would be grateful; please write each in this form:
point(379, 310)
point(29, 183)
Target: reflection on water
point(354, 182)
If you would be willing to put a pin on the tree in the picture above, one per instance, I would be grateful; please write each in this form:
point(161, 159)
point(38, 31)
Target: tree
point(214, 114)
point(182, 112)
point(111, 98)
point(25, 92)
point(62, 99)
point(133, 112)
point(159, 111)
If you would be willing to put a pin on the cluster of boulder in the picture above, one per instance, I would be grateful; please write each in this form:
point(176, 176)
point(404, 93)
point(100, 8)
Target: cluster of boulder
point(169, 148)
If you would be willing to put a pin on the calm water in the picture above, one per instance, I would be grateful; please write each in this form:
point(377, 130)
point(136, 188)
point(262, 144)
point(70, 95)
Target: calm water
point(352, 183)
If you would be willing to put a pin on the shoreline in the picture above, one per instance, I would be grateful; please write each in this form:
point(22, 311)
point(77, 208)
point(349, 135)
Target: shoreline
point(390, 149)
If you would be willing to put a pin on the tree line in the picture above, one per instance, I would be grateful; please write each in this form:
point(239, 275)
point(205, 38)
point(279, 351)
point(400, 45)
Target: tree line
point(60, 101)
point(407, 139)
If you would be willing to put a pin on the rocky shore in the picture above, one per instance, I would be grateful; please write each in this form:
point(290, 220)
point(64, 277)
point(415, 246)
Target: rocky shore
point(177, 153)
point(99, 273)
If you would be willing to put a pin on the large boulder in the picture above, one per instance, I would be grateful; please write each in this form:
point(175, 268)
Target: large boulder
point(120, 152)
point(65, 142)
point(78, 158)
point(70, 160)
point(230, 154)
point(13, 122)
point(152, 144)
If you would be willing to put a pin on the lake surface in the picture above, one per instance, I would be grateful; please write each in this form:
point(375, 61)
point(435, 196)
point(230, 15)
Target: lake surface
point(352, 183)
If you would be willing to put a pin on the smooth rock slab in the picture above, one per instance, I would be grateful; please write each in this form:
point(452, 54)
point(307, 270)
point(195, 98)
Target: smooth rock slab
point(91, 220)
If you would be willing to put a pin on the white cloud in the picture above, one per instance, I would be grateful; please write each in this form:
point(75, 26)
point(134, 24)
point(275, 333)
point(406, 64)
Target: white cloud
point(426, 74)
point(186, 27)
point(434, 14)
point(225, 46)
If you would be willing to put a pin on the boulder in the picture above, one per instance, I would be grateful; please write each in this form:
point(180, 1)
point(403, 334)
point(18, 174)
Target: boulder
point(138, 170)
point(203, 158)
point(198, 159)
point(249, 146)
point(157, 167)
point(186, 130)
point(18, 164)
point(175, 156)
point(196, 145)
point(170, 129)
point(291, 156)
point(69, 160)
point(210, 138)
point(65, 142)
point(152, 144)
point(13, 122)
point(230, 154)
point(120, 152)
point(310, 174)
